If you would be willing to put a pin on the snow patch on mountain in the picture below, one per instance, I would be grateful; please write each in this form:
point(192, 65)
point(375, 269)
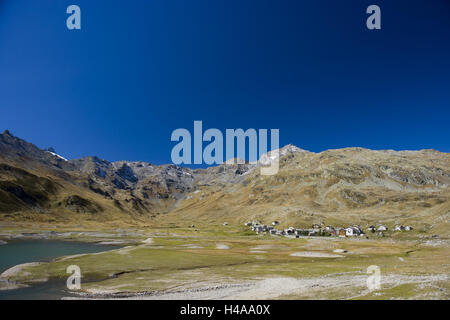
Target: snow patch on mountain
point(270, 156)
point(57, 155)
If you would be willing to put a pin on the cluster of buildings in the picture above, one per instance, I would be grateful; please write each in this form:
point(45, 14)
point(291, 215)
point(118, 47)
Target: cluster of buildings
point(320, 230)
point(402, 228)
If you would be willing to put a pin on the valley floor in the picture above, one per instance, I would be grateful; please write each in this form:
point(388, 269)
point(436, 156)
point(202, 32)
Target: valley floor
point(218, 262)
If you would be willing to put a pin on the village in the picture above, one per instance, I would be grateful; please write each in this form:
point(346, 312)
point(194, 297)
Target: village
point(320, 230)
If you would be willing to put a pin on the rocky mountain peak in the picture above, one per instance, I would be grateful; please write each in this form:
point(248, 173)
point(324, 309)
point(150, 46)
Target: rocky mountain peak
point(290, 148)
point(126, 173)
point(357, 181)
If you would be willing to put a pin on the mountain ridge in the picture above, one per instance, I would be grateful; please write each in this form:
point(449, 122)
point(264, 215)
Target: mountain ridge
point(334, 185)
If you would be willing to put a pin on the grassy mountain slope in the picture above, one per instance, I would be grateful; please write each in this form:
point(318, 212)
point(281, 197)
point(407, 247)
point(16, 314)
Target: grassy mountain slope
point(352, 185)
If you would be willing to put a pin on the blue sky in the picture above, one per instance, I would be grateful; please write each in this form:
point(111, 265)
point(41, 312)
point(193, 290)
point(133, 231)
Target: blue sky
point(140, 69)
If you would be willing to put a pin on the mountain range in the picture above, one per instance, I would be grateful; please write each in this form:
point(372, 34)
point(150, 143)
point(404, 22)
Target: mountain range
point(342, 186)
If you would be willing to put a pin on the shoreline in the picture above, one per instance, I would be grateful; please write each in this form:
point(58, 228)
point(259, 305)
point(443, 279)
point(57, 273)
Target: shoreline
point(269, 288)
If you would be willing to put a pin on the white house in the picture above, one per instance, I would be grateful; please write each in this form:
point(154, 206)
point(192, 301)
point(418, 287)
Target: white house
point(275, 223)
point(382, 228)
point(408, 228)
point(349, 232)
point(353, 231)
point(289, 231)
point(258, 229)
point(399, 228)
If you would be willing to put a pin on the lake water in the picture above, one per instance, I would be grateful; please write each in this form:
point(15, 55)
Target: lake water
point(18, 252)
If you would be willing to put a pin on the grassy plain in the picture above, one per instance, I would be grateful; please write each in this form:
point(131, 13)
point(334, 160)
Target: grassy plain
point(232, 262)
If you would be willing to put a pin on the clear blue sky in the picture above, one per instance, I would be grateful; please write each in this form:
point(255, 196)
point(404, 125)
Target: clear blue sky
point(139, 69)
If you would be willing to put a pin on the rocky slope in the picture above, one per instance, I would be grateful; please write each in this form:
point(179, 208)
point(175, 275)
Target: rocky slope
point(352, 185)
